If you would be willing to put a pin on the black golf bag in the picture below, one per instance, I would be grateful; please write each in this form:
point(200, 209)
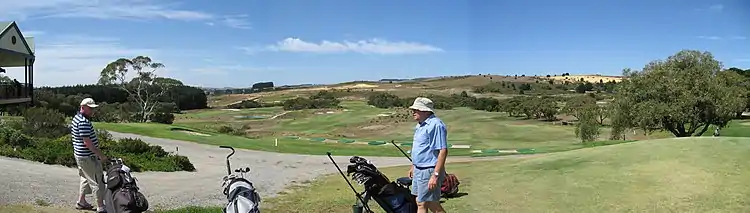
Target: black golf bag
point(393, 197)
point(240, 192)
point(122, 194)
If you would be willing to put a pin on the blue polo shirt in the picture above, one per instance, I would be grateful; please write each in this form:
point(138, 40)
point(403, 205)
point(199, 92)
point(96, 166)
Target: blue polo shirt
point(429, 138)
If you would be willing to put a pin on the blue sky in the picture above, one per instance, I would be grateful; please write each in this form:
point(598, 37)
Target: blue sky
point(237, 43)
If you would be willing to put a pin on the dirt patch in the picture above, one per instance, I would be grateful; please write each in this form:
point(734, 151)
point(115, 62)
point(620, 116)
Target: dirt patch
point(374, 127)
point(278, 115)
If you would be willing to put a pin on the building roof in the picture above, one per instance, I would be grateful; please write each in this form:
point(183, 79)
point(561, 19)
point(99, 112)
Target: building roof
point(4, 25)
point(14, 47)
point(7, 25)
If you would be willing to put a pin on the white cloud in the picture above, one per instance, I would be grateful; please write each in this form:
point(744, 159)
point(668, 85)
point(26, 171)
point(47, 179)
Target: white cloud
point(710, 37)
point(712, 8)
point(74, 59)
point(374, 46)
point(716, 7)
point(107, 9)
point(723, 38)
point(236, 21)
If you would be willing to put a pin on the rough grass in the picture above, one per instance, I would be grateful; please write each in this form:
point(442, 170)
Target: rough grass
point(703, 174)
point(667, 175)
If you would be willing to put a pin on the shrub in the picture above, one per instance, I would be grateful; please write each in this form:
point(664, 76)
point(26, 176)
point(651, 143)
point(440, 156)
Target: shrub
point(320, 100)
point(14, 138)
point(384, 100)
point(137, 154)
point(387, 100)
point(162, 117)
point(245, 104)
point(43, 122)
point(587, 128)
point(225, 129)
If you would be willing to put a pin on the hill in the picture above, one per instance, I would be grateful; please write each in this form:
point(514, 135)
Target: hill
point(441, 85)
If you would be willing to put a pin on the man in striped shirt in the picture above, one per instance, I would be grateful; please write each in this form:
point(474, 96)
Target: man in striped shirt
point(86, 151)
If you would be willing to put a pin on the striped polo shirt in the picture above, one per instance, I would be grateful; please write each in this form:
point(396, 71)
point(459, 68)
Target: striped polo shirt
point(81, 127)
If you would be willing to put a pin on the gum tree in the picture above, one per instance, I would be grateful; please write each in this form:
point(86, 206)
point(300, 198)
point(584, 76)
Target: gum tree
point(145, 89)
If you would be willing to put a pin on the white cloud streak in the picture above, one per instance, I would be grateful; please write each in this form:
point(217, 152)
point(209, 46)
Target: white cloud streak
point(236, 21)
point(371, 46)
point(723, 37)
point(111, 9)
point(716, 7)
point(712, 8)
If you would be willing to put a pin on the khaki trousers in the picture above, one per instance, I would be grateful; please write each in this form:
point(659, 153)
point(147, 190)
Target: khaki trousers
point(92, 177)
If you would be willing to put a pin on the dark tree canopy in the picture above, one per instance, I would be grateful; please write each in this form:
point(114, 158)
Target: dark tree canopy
point(683, 94)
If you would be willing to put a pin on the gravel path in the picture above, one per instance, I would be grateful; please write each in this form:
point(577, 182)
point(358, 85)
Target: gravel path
point(24, 181)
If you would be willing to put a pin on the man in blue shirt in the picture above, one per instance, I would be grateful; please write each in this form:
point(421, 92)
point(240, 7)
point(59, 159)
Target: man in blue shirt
point(428, 153)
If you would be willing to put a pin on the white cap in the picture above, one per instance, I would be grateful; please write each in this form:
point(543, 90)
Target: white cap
point(422, 104)
point(89, 102)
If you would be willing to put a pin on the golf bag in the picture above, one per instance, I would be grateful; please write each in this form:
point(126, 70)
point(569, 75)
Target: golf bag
point(393, 197)
point(449, 187)
point(240, 192)
point(122, 194)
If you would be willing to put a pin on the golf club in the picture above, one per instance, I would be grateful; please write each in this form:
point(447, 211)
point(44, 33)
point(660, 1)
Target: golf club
point(229, 169)
point(359, 196)
point(399, 149)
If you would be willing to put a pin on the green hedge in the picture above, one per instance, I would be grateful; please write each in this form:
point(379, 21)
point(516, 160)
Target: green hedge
point(138, 155)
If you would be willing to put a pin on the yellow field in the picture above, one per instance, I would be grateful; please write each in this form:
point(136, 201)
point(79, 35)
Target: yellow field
point(588, 78)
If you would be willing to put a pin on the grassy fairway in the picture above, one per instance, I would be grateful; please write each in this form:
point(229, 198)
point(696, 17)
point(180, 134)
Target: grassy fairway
point(364, 123)
point(284, 146)
point(668, 175)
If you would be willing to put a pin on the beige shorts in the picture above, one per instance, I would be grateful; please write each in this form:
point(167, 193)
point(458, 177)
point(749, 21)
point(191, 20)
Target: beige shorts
point(92, 177)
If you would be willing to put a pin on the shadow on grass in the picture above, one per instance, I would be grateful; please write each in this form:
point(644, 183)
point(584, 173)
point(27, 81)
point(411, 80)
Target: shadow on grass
point(460, 194)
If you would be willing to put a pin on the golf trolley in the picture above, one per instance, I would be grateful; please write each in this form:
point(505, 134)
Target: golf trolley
point(393, 197)
point(122, 194)
point(241, 194)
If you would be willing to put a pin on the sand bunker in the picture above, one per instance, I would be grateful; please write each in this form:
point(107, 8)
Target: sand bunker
point(194, 133)
point(234, 110)
point(357, 86)
point(461, 146)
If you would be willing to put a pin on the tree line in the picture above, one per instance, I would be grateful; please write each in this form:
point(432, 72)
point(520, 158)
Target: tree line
point(684, 94)
point(145, 97)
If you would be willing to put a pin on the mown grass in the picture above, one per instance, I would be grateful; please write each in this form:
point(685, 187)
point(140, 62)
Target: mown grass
point(667, 175)
point(480, 129)
point(268, 144)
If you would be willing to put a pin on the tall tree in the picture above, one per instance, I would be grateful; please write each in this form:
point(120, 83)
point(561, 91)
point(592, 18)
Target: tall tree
point(145, 89)
point(683, 94)
point(575, 106)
